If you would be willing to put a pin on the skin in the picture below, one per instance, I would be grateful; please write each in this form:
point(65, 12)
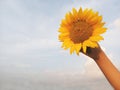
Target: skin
point(106, 66)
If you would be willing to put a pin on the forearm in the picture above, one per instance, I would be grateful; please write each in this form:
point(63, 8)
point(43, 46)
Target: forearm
point(109, 70)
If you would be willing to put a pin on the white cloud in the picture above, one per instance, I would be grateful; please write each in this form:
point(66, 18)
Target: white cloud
point(116, 23)
point(91, 78)
point(38, 44)
point(92, 70)
point(24, 29)
point(21, 65)
point(112, 35)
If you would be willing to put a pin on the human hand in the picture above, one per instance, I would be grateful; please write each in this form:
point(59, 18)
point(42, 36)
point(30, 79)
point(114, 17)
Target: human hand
point(93, 52)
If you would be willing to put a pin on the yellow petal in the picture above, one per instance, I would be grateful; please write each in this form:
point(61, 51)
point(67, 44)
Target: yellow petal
point(65, 45)
point(99, 18)
point(63, 29)
point(96, 38)
point(78, 48)
point(80, 12)
point(98, 25)
point(68, 18)
point(85, 11)
point(75, 14)
point(84, 47)
point(90, 15)
point(86, 14)
point(93, 20)
point(72, 49)
point(99, 31)
point(71, 18)
point(64, 36)
point(93, 15)
point(91, 44)
point(74, 11)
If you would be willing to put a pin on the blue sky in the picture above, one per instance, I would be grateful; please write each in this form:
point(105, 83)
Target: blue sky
point(29, 36)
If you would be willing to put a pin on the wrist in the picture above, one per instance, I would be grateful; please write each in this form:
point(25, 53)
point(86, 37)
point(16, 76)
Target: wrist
point(98, 54)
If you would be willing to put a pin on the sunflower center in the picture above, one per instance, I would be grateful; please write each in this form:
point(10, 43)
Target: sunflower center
point(80, 31)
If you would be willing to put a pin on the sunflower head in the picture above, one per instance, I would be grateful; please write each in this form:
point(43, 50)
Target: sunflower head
point(81, 29)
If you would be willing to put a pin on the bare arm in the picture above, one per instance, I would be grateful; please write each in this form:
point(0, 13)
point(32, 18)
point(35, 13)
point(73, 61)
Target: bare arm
point(109, 70)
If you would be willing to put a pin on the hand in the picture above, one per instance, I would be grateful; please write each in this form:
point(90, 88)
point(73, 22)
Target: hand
point(93, 52)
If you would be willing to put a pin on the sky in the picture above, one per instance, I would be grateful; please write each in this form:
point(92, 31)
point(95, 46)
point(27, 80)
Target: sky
point(31, 54)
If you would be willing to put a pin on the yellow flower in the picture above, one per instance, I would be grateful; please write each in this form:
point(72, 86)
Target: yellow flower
point(81, 29)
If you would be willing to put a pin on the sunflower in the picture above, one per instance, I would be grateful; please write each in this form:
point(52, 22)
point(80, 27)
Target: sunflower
point(81, 29)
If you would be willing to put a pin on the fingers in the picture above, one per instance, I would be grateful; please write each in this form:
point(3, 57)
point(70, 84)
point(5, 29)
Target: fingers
point(88, 51)
point(92, 52)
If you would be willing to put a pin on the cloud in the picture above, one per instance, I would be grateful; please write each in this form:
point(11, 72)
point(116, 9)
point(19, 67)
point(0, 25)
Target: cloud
point(116, 23)
point(25, 28)
point(22, 65)
point(60, 80)
point(92, 70)
point(90, 78)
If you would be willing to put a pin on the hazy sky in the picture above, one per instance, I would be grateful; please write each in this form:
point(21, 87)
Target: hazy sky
point(29, 37)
